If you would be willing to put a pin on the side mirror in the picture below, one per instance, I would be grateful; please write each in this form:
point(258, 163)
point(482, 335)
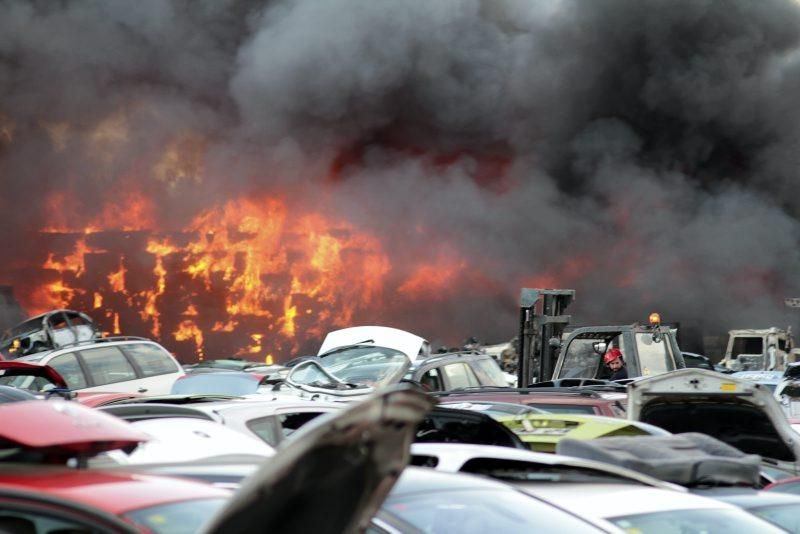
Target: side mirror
point(600, 347)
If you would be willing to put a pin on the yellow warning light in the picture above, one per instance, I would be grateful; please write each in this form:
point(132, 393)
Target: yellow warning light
point(655, 319)
point(268, 359)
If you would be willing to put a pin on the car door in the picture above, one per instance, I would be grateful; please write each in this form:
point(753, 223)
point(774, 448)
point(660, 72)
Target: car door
point(107, 369)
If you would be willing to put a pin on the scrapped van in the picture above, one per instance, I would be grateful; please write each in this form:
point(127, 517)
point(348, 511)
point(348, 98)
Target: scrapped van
point(741, 413)
point(768, 349)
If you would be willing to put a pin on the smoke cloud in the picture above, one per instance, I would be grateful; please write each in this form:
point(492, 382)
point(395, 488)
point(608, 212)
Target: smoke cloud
point(643, 153)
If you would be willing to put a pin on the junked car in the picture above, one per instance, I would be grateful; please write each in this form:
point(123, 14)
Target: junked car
point(741, 413)
point(48, 331)
point(116, 364)
point(353, 362)
point(373, 437)
point(269, 418)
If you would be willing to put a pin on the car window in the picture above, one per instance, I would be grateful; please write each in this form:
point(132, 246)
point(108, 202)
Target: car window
point(431, 380)
point(35, 521)
point(580, 360)
point(107, 365)
point(151, 359)
point(489, 372)
point(176, 518)
point(747, 345)
point(459, 375)
point(274, 429)
point(292, 421)
point(699, 521)
point(68, 367)
point(266, 428)
point(467, 511)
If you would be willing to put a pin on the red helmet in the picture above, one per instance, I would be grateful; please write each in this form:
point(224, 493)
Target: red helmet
point(612, 355)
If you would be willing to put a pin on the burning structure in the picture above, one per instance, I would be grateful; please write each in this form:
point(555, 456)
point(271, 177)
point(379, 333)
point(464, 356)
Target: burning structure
point(240, 177)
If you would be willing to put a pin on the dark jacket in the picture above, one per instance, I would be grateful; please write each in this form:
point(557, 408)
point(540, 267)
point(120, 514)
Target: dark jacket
point(619, 374)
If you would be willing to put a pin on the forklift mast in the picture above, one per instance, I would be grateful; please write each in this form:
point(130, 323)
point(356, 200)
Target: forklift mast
point(541, 324)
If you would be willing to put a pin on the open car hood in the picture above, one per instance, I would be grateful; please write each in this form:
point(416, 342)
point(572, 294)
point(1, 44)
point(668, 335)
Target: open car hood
point(741, 413)
point(13, 368)
point(333, 474)
point(64, 429)
point(381, 336)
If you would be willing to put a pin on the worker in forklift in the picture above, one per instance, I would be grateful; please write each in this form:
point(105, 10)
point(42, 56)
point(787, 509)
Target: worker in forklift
point(614, 361)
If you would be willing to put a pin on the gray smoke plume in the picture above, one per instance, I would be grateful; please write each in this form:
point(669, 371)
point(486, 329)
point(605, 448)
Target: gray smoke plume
point(643, 153)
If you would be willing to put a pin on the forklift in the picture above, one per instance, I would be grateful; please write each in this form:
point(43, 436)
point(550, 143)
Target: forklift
point(548, 351)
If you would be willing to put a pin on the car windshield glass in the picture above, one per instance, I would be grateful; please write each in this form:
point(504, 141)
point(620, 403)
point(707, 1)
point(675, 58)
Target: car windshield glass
point(580, 360)
point(481, 510)
point(362, 366)
point(784, 515)
point(654, 357)
point(184, 517)
point(695, 522)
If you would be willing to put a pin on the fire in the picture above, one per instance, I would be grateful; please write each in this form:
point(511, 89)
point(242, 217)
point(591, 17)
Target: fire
point(432, 280)
point(117, 279)
point(246, 277)
point(189, 330)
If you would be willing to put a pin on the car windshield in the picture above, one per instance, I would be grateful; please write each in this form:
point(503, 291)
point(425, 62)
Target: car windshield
point(785, 516)
point(481, 510)
point(184, 517)
point(353, 367)
point(702, 521)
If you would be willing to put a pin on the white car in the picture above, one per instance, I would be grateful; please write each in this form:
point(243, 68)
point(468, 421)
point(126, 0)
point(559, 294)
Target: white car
point(123, 365)
point(269, 418)
point(643, 509)
point(181, 439)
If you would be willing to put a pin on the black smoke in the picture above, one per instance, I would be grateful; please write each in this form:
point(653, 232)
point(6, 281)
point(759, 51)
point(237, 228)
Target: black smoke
point(641, 152)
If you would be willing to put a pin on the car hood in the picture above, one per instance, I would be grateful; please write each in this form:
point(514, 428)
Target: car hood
point(741, 413)
point(13, 368)
point(333, 474)
point(381, 336)
point(64, 428)
point(542, 432)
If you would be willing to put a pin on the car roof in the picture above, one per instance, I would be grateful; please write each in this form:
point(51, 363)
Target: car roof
point(115, 492)
point(601, 501)
point(751, 498)
point(47, 355)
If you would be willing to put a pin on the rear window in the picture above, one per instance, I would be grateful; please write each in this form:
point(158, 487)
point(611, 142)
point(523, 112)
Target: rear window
point(151, 359)
point(107, 365)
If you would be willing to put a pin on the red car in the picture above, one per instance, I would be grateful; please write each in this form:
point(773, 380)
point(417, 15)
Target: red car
point(588, 402)
point(50, 497)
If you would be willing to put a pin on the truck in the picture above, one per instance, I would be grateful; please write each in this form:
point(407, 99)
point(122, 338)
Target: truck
point(766, 349)
point(550, 351)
